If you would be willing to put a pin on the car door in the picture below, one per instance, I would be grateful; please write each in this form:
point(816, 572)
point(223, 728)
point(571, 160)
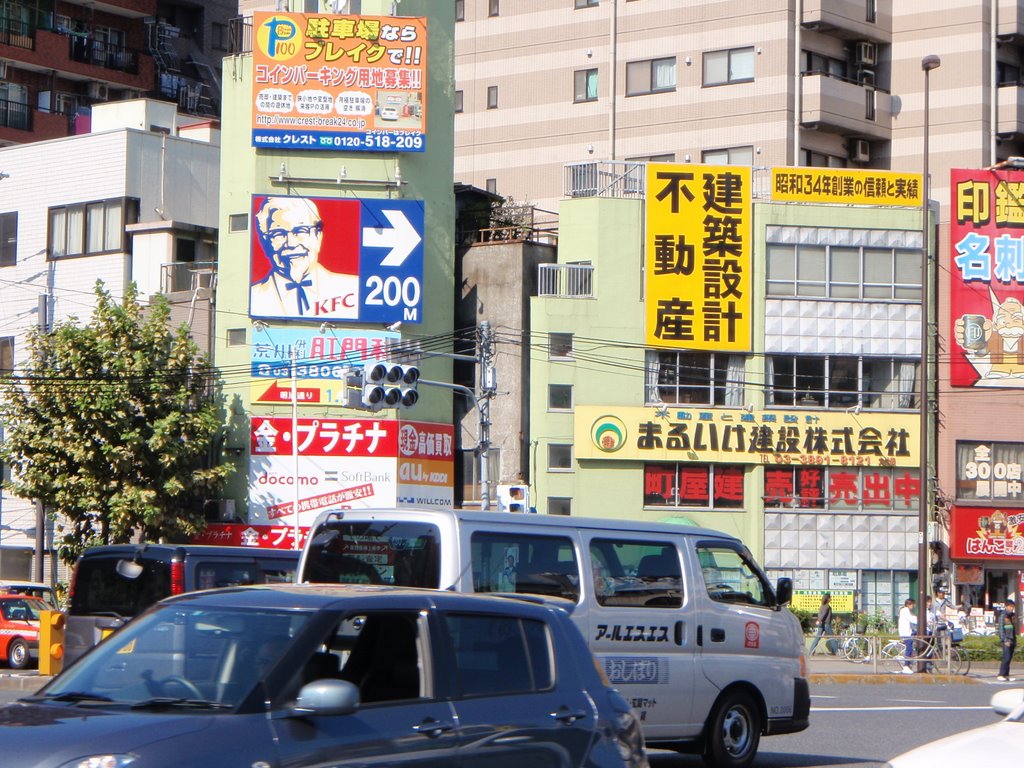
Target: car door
point(400, 720)
point(519, 700)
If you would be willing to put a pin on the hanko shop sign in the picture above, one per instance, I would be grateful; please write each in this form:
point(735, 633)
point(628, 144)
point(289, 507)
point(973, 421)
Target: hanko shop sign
point(698, 257)
point(322, 359)
point(986, 283)
point(342, 463)
point(344, 83)
point(426, 464)
point(789, 438)
point(986, 533)
point(990, 472)
point(846, 186)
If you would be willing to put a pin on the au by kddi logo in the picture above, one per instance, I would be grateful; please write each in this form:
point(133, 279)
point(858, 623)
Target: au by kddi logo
point(278, 37)
point(608, 434)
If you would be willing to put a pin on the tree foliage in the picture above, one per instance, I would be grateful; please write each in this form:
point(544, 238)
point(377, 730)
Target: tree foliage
point(111, 424)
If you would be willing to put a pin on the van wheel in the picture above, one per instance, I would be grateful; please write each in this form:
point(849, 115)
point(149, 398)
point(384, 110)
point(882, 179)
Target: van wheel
point(17, 654)
point(733, 733)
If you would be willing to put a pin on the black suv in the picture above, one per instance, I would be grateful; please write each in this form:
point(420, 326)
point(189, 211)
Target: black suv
point(317, 675)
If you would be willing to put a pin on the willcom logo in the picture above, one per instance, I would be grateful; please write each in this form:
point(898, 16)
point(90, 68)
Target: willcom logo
point(279, 39)
point(608, 433)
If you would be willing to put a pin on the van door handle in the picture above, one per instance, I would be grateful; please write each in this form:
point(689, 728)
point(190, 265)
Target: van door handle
point(700, 634)
point(434, 728)
point(679, 633)
point(717, 635)
point(568, 716)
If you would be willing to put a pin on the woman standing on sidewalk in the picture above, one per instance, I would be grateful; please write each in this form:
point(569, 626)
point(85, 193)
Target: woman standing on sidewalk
point(824, 621)
point(1007, 630)
point(907, 630)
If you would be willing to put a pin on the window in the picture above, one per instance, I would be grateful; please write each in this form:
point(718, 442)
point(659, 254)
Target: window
point(811, 159)
point(458, 101)
point(559, 346)
point(500, 655)
point(990, 472)
point(492, 8)
point(732, 66)
point(637, 574)
point(650, 76)
point(884, 383)
point(586, 3)
point(842, 489)
point(729, 156)
point(812, 63)
point(238, 222)
point(560, 457)
point(8, 239)
point(667, 157)
point(6, 355)
point(402, 553)
point(870, 11)
point(492, 97)
point(730, 577)
point(88, 228)
point(559, 505)
point(236, 337)
point(559, 397)
point(1007, 73)
point(584, 85)
point(221, 37)
point(708, 378)
point(706, 486)
point(844, 271)
point(514, 562)
point(492, 186)
point(460, 10)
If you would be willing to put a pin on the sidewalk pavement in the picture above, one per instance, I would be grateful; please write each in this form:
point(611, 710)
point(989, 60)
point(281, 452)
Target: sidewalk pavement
point(825, 668)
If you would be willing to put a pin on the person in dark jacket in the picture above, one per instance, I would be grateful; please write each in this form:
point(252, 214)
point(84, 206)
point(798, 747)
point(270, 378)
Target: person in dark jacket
point(1007, 630)
point(823, 622)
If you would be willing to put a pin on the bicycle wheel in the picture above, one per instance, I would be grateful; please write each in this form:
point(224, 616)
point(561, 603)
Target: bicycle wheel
point(959, 661)
point(856, 649)
point(892, 656)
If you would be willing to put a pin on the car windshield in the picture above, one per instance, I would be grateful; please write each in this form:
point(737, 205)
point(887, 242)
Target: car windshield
point(182, 655)
point(22, 608)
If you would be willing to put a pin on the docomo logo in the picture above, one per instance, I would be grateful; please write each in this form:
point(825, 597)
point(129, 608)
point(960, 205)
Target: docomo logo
point(268, 479)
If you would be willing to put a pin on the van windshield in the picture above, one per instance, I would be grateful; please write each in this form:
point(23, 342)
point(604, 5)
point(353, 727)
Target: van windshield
point(399, 553)
point(100, 590)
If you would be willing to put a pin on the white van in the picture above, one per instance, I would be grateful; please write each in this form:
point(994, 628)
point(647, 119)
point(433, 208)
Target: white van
point(681, 618)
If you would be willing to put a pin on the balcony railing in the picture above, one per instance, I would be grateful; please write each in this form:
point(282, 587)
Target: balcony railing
point(106, 55)
point(17, 33)
point(14, 114)
point(188, 276)
point(240, 35)
point(575, 281)
point(605, 178)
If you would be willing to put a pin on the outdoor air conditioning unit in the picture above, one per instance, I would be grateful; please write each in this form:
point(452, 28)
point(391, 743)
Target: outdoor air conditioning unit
point(866, 77)
point(98, 91)
point(3, 69)
point(130, 95)
point(860, 150)
point(865, 54)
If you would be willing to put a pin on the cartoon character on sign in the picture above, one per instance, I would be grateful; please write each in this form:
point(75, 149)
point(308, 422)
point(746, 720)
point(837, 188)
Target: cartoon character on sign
point(994, 347)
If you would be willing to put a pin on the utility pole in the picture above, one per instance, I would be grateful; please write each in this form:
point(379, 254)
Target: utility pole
point(42, 320)
point(486, 386)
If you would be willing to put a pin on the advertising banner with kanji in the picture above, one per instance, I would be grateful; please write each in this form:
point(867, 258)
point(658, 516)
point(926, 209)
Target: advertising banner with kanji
point(990, 472)
point(986, 533)
point(986, 278)
point(426, 464)
point(347, 83)
point(322, 358)
point(846, 186)
point(698, 257)
point(776, 437)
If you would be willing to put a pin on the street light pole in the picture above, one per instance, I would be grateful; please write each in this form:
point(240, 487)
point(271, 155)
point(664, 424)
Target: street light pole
point(928, 63)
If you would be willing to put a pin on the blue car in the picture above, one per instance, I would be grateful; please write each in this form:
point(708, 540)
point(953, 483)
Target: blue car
point(282, 676)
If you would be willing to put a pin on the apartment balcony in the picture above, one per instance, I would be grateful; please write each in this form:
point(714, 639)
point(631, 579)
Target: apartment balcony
point(1010, 22)
point(834, 105)
point(21, 123)
point(568, 281)
point(1010, 115)
point(851, 19)
point(605, 178)
point(188, 277)
point(133, 9)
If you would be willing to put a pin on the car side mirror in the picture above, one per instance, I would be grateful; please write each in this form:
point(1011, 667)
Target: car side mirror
point(784, 591)
point(327, 697)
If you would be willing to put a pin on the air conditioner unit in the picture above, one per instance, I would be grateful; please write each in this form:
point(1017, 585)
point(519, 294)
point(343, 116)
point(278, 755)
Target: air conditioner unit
point(129, 95)
point(98, 91)
point(860, 151)
point(3, 69)
point(865, 54)
point(866, 77)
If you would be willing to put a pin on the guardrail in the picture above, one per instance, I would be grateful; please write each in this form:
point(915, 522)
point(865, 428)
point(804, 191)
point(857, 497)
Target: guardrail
point(888, 653)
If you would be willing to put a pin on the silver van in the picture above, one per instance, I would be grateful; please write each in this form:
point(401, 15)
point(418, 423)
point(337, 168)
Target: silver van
point(682, 619)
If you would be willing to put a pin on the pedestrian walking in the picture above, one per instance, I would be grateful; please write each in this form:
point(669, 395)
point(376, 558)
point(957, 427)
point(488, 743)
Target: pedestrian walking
point(823, 622)
point(907, 627)
point(1007, 630)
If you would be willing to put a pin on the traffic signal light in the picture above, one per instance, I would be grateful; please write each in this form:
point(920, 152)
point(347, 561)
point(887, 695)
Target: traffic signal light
point(389, 385)
point(51, 642)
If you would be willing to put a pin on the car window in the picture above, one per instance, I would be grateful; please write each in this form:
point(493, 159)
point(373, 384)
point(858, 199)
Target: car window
point(100, 589)
point(495, 655)
point(641, 574)
point(732, 577)
point(400, 553)
point(23, 609)
point(525, 564)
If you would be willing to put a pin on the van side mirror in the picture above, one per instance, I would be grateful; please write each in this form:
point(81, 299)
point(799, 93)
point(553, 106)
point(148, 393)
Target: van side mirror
point(784, 591)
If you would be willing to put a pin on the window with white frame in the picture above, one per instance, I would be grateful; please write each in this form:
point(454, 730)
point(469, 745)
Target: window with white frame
point(700, 486)
point(492, 97)
point(735, 65)
point(559, 397)
point(838, 381)
point(584, 85)
point(559, 505)
point(560, 346)
point(560, 457)
point(695, 378)
point(493, 8)
point(8, 239)
point(650, 76)
point(586, 3)
point(460, 10)
point(844, 271)
point(89, 228)
point(809, 158)
point(729, 156)
point(6, 355)
point(458, 101)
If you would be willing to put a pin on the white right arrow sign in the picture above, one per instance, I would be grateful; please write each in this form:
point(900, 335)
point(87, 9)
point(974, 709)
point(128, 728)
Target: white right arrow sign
point(401, 237)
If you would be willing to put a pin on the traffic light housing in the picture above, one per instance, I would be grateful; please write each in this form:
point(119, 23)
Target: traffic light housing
point(51, 642)
point(514, 498)
point(389, 385)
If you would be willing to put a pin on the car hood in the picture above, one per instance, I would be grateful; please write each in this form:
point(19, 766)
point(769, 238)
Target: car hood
point(1000, 744)
point(73, 731)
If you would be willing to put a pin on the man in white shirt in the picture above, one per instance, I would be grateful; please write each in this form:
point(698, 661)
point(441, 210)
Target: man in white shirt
point(298, 286)
point(907, 626)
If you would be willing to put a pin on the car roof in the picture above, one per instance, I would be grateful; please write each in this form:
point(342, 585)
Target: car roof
point(7, 583)
point(169, 550)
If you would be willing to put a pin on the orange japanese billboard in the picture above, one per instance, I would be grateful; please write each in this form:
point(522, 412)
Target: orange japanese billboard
point(345, 83)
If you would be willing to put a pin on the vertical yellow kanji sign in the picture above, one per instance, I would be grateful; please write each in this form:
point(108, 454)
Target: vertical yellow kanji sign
point(698, 257)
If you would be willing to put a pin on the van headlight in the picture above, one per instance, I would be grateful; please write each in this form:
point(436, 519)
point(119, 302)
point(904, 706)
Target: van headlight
point(100, 761)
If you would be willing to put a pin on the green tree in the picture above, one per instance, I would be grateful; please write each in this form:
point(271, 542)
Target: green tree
point(111, 425)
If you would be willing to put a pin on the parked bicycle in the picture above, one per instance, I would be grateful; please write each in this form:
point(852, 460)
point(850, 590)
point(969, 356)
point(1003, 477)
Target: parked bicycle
point(854, 647)
point(935, 654)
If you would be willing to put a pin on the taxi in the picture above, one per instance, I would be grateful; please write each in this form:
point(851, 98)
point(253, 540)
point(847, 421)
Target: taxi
point(19, 629)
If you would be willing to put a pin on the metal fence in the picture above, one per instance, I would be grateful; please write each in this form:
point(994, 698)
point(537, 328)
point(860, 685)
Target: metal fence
point(188, 276)
point(567, 280)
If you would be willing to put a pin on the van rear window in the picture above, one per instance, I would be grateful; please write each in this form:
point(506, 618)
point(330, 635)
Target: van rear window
point(399, 553)
point(99, 589)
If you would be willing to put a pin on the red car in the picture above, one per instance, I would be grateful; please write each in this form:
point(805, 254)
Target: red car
point(19, 629)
